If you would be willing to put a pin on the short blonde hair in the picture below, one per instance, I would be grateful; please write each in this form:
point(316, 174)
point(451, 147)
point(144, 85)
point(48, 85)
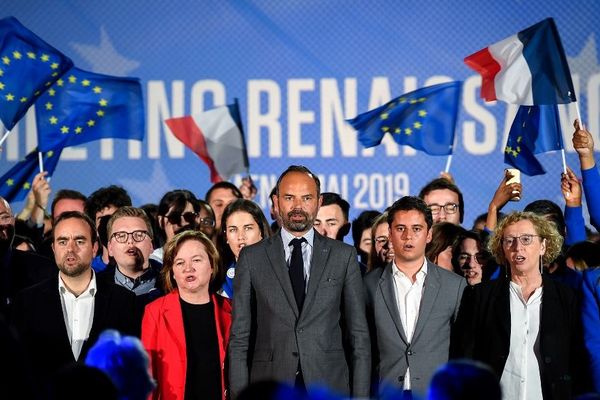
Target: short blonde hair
point(544, 228)
point(172, 248)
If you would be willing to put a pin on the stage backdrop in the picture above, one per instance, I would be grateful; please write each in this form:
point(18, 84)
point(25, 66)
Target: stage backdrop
point(299, 69)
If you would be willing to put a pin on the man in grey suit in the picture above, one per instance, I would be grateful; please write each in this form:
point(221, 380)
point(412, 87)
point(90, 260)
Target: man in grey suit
point(298, 311)
point(411, 304)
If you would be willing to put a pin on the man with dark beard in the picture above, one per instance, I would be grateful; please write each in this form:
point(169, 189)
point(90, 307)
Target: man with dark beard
point(18, 269)
point(130, 234)
point(298, 295)
point(59, 318)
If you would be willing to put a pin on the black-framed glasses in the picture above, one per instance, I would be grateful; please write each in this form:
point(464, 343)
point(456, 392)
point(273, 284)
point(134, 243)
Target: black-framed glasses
point(449, 208)
point(123, 237)
point(207, 222)
point(466, 257)
point(525, 239)
point(174, 218)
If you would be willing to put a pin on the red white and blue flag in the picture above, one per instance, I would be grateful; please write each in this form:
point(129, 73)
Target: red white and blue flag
point(529, 68)
point(216, 136)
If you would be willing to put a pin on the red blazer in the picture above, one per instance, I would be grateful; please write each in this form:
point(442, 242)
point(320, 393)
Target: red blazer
point(164, 339)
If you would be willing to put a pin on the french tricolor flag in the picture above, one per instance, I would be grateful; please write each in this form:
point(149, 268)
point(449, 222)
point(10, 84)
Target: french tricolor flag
point(216, 136)
point(529, 68)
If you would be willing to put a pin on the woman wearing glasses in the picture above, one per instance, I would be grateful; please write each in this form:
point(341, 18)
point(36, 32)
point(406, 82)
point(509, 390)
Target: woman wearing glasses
point(186, 332)
point(243, 223)
point(178, 211)
point(524, 325)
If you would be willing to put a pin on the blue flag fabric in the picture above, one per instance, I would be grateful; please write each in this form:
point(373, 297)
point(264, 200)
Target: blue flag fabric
point(28, 67)
point(84, 106)
point(424, 119)
point(535, 130)
point(16, 183)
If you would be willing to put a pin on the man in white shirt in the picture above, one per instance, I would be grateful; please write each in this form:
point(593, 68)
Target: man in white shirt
point(411, 303)
point(61, 317)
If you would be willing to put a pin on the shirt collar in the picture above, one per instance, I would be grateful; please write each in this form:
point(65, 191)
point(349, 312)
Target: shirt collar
point(146, 276)
point(420, 275)
point(287, 237)
point(91, 289)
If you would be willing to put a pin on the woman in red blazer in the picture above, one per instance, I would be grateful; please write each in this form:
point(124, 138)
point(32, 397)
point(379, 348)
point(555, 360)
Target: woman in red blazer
point(186, 332)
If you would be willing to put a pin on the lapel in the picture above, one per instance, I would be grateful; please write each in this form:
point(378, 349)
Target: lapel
point(54, 314)
point(551, 303)
point(318, 264)
point(276, 256)
point(431, 288)
point(386, 286)
point(500, 303)
point(173, 321)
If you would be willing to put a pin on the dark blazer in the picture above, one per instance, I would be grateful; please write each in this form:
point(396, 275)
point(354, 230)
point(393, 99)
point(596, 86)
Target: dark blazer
point(591, 321)
point(269, 337)
point(430, 344)
point(484, 322)
point(38, 318)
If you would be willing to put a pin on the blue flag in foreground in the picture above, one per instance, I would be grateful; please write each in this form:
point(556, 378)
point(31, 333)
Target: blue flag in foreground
point(424, 119)
point(15, 184)
point(28, 66)
point(83, 106)
point(535, 130)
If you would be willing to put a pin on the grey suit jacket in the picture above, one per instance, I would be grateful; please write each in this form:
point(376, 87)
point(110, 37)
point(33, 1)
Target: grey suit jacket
point(430, 345)
point(330, 338)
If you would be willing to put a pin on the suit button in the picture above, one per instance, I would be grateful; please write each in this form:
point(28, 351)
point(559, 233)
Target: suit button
point(295, 353)
point(410, 353)
point(547, 360)
point(300, 330)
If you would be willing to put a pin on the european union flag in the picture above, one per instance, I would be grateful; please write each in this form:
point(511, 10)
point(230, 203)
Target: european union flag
point(424, 119)
point(535, 130)
point(83, 106)
point(15, 184)
point(28, 66)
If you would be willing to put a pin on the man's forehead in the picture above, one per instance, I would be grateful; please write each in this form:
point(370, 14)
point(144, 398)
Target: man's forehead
point(441, 196)
point(408, 218)
point(128, 221)
point(72, 226)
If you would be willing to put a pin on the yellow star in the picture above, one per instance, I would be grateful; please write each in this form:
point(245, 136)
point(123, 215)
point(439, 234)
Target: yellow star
point(103, 102)
point(31, 55)
point(72, 79)
point(518, 149)
point(10, 97)
point(398, 130)
point(64, 129)
point(1, 86)
point(50, 153)
point(413, 101)
point(10, 182)
point(385, 128)
point(417, 125)
point(422, 99)
point(54, 65)
point(54, 74)
point(53, 120)
point(49, 106)
point(51, 92)
point(1, 72)
point(85, 82)
point(515, 154)
point(23, 99)
point(100, 113)
point(519, 139)
point(27, 185)
point(422, 113)
point(91, 123)
point(408, 131)
point(45, 57)
point(384, 116)
point(17, 55)
point(402, 100)
point(97, 89)
point(78, 130)
point(48, 84)
point(6, 60)
point(507, 149)
point(60, 82)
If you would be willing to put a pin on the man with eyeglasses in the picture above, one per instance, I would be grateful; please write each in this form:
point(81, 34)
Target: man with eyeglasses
point(130, 235)
point(445, 201)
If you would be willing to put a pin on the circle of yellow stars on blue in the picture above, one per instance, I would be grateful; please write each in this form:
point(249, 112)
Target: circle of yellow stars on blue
point(27, 185)
point(406, 130)
point(13, 59)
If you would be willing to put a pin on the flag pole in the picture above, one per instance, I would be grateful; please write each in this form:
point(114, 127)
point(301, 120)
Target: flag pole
point(3, 139)
point(41, 161)
point(448, 162)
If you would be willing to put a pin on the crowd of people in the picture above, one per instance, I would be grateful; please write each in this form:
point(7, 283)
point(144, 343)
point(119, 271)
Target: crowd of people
point(204, 299)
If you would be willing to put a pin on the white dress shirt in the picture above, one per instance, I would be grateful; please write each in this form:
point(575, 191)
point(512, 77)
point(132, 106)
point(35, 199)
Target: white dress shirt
point(307, 250)
point(408, 300)
point(521, 378)
point(78, 312)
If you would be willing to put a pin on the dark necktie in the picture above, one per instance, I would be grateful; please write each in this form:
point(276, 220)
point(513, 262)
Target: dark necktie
point(297, 271)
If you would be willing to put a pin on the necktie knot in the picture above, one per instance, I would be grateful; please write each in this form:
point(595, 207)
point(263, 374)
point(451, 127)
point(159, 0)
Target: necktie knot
point(296, 242)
